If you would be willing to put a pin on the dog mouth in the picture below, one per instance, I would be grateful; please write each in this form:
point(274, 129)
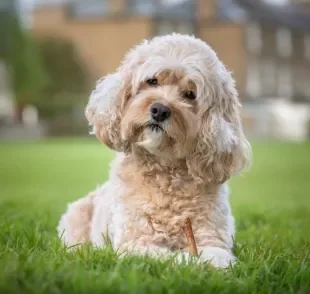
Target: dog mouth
point(154, 127)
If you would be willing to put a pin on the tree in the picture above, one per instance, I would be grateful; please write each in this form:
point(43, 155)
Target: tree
point(19, 52)
point(46, 73)
point(68, 80)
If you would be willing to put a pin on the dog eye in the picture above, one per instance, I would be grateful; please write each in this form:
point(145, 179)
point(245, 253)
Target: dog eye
point(189, 95)
point(152, 82)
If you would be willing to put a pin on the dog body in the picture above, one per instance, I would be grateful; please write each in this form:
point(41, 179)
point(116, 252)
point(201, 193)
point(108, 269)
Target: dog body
point(171, 113)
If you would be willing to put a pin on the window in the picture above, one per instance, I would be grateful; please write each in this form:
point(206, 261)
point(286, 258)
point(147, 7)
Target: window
point(253, 84)
point(142, 7)
point(307, 64)
point(277, 2)
point(254, 38)
point(185, 27)
point(89, 9)
point(299, 79)
point(165, 27)
point(170, 2)
point(307, 46)
point(284, 83)
point(284, 42)
point(268, 76)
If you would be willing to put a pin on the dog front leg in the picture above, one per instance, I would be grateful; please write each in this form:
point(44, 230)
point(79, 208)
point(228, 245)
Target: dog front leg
point(215, 244)
point(74, 225)
point(142, 248)
point(218, 257)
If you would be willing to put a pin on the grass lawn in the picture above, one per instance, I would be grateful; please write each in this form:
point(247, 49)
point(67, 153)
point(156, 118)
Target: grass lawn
point(271, 205)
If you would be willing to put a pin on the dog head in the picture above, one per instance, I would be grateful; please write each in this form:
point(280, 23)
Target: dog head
point(173, 98)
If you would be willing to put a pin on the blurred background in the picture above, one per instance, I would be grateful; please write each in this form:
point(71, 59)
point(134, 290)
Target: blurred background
point(52, 52)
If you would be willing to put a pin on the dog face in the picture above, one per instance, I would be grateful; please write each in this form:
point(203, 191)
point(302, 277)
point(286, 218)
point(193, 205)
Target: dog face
point(173, 98)
point(160, 116)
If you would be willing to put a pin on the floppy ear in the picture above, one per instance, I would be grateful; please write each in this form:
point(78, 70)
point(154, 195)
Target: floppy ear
point(221, 149)
point(107, 102)
point(105, 107)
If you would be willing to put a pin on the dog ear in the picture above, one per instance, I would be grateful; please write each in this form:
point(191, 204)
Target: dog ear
point(105, 107)
point(221, 149)
point(107, 102)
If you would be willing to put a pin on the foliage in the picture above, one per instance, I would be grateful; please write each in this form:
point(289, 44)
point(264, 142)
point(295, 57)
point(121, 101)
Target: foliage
point(64, 66)
point(19, 52)
point(68, 80)
point(46, 73)
point(37, 180)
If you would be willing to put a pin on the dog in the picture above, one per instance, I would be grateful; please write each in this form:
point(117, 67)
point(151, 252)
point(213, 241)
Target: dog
point(171, 113)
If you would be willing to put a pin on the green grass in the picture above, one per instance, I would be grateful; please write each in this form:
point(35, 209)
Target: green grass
point(271, 205)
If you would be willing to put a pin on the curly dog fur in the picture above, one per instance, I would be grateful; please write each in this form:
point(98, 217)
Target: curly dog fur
point(167, 168)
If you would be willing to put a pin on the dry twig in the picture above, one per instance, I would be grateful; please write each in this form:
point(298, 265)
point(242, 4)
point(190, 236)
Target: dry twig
point(190, 237)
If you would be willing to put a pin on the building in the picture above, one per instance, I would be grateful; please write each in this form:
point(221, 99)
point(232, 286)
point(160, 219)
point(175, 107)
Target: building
point(265, 43)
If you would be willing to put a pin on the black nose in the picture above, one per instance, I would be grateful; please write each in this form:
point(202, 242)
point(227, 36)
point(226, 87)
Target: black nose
point(160, 112)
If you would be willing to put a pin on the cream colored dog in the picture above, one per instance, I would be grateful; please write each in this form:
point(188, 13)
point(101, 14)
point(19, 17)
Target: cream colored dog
point(171, 113)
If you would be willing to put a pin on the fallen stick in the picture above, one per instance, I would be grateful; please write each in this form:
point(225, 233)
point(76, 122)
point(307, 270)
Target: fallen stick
point(190, 237)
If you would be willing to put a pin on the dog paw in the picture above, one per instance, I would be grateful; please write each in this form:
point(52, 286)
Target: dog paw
point(182, 258)
point(217, 257)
